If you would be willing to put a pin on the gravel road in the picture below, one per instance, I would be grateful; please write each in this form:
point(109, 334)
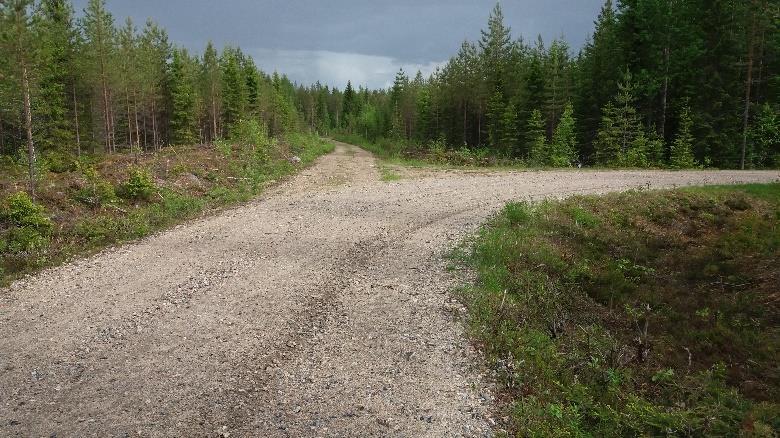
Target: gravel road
point(321, 309)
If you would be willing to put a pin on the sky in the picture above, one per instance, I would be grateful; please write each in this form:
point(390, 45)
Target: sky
point(365, 41)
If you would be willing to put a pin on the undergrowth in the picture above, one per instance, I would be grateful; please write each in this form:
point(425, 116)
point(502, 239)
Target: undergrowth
point(635, 314)
point(86, 204)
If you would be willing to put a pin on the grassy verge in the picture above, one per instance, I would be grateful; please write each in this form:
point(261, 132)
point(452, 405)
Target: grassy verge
point(637, 314)
point(92, 203)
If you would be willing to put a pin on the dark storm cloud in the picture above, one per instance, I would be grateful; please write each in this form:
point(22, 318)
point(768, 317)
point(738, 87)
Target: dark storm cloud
point(366, 41)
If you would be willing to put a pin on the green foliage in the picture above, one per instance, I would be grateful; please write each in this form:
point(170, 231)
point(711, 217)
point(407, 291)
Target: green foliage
point(538, 140)
point(601, 322)
point(28, 229)
point(682, 148)
point(59, 162)
point(234, 92)
point(97, 192)
point(253, 135)
point(140, 186)
point(765, 137)
point(183, 98)
point(564, 141)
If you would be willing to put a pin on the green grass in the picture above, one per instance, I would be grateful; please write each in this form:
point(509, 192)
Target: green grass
point(635, 314)
point(388, 174)
point(93, 217)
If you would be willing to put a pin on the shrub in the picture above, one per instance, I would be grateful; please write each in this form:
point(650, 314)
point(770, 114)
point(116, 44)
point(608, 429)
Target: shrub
point(29, 229)
point(139, 186)
point(223, 147)
point(98, 192)
point(24, 213)
point(60, 162)
point(252, 134)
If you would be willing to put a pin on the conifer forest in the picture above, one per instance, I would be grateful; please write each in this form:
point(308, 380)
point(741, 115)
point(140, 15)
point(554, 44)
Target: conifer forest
point(333, 218)
point(660, 83)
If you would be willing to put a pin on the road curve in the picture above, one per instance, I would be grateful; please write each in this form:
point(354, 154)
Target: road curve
point(321, 309)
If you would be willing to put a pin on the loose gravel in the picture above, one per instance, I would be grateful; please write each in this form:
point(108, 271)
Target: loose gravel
point(322, 309)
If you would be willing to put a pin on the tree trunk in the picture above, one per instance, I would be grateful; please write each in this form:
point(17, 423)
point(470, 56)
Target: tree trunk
point(748, 86)
point(104, 90)
point(465, 136)
point(129, 119)
point(154, 124)
point(28, 128)
point(106, 117)
point(76, 120)
point(112, 122)
point(665, 95)
point(135, 114)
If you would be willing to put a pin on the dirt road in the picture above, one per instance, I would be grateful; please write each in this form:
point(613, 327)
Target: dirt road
point(320, 310)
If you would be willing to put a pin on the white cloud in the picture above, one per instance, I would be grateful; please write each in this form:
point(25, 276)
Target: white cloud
point(336, 68)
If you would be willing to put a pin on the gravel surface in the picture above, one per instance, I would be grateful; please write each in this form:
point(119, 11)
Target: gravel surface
point(322, 309)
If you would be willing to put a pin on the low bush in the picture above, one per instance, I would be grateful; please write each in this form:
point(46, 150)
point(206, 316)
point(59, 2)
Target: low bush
point(139, 186)
point(97, 192)
point(27, 228)
point(638, 314)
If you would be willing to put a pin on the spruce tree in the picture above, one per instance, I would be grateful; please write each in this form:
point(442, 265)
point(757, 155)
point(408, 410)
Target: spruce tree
point(183, 99)
point(682, 148)
point(55, 36)
point(496, 44)
point(621, 140)
point(564, 141)
point(509, 133)
point(537, 145)
point(495, 114)
point(349, 104)
point(234, 94)
point(557, 82)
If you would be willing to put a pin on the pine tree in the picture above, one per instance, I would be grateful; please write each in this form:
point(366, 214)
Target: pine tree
point(564, 141)
point(155, 52)
point(212, 92)
point(55, 36)
point(682, 148)
point(17, 40)
point(98, 26)
point(129, 78)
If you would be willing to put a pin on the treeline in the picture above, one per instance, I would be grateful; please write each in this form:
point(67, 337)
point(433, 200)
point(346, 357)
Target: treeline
point(76, 85)
point(660, 83)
